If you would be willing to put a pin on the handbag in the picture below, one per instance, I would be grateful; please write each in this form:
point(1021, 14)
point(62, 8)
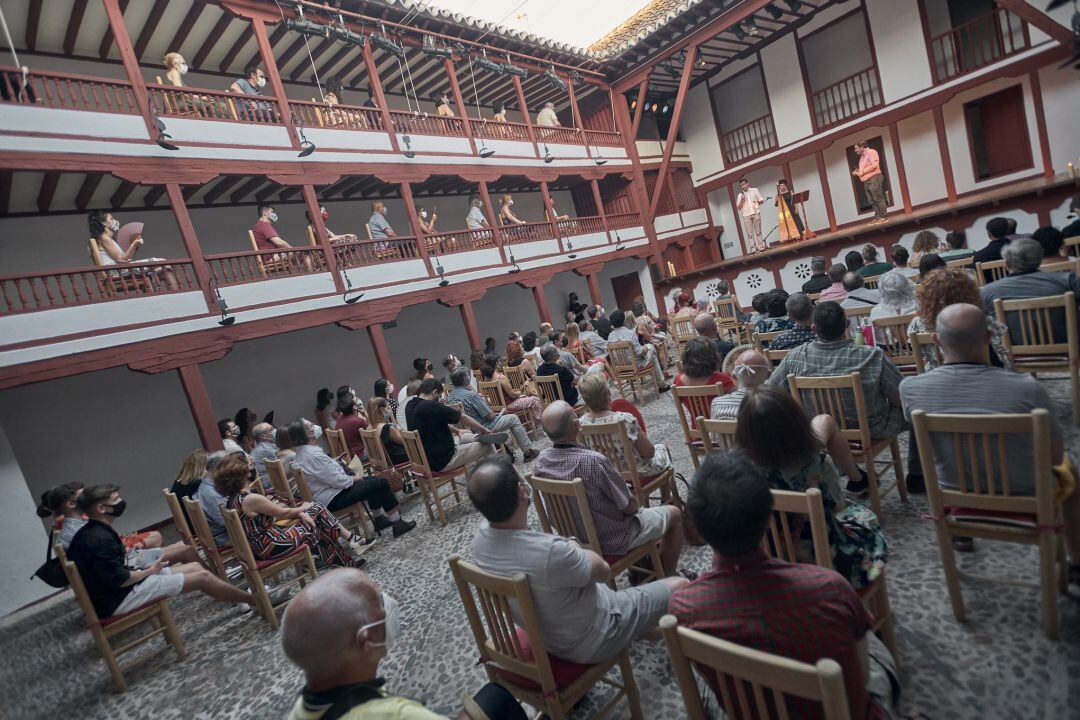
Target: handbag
point(51, 572)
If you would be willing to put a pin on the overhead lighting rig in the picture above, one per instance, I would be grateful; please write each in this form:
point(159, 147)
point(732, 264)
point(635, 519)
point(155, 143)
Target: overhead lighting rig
point(554, 80)
point(433, 49)
point(509, 69)
point(793, 5)
point(306, 27)
point(383, 42)
point(774, 12)
point(347, 36)
point(484, 62)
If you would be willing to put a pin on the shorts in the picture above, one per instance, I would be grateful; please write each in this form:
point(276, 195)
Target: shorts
point(649, 524)
point(142, 558)
point(165, 584)
point(634, 612)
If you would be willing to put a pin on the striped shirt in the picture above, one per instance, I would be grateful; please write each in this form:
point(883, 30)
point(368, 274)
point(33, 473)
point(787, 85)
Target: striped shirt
point(474, 405)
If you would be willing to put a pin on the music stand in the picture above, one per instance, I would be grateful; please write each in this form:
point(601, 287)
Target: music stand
point(799, 199)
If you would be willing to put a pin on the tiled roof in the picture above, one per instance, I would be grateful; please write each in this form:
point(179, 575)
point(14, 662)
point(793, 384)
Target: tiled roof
point(643, 23)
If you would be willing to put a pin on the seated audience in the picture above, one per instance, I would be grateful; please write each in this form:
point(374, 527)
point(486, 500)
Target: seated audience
point(684, 305)
point(819, 279)
point(758, 304)
point(873, 266)
point(62, 504)
point(382, 421)
point(211, 500)
point(442, 106)
point(515, 357)
point(645, 354)
point(450, 362)
point(175, 69)
point(928, 264)
point(1052, 240)
point(601, 324)
point(1025, 280)
point(705, 325)
point(245, 419)
point(833, 353)
point(186, 483)
point(857, 294)
point(426, 220)
point(965, 384)
point(335, 488)
point(377, 223)
point(476, 219)
point(1073, 229)
point(385, 389)
point(547, 117)
point(751, 369)
point(516, 401)
point(432, 420)
point(409, 393)
point(800, 462)
point(956, 240)
point(506, 214)
point(581, 619)
point(799, 611)
point(230, 434)
point(569, 360)
point(836, 290)
point(553, 215)
point(266, 235)
point(478, 410)
point(337, 630)
point(950, 286)
point(328, 540)
point(650, 458)
point(897, 296)
point(115, 588)
point(331, 235)
point(351, 422)
point(701, 366)
point(723, 290)
point(500, 112)
point(265, 449)
point(594, 342)
point(551, 366)
point(647, 328)
point(853, 261)
point(323, 400)
point(118, 247)
point(926, 241)
point(901, 257)
point(998, 231)
point(800, 310)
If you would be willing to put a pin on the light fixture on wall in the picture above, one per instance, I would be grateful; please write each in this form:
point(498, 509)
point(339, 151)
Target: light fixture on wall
point(408, 151)
point(618, 241)
point(598, 158)
point(485, 151)
point(163, 137)
point(517, 268)
point(306, 146)
point(570, 246)
point(350, 291)
point(548, 157)
point(223, 307)
point(443, 282)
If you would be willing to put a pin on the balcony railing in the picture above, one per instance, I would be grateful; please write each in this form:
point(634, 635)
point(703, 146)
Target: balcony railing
point(580, 226)
point(85, 285)
point(362, 253)
point(494, 130)
point(413, 123)
point(70, 92)
point(343, 117)
point(977, 43)
point(244, 267)
point(169, 100)
point(621, 221)
point(561, 135)
point(603, 138)
point(750, 140)
point(846, 98)
point(445, 243)
point(527, 232)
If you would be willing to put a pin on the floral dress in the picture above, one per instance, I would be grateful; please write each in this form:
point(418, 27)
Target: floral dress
point(859, 548)
point(658, 463)
point(269, 540)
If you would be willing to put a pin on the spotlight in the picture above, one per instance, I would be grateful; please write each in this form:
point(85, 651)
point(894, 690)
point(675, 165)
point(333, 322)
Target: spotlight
point(575, 76)
point(511, 69)
point(633, 103)
point(774, 12)
point(347, 36)
point(548, 157)
point(356, 294)
point(408, 152)
point(306, 27)
point(490, 65)
point(665, 108)
point(739, 32)
point(618, 241)
point(750, 26)
point(226, 318)
point(385, 43)
point(701, 61)
point(554, 80)
point(653, 108)
point(430, 49)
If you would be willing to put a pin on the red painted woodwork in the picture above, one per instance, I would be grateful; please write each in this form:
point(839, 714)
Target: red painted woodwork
point(943, 150)
point(321, 236)
point(673, 129)
point(496, 230)
point(826, 193)
point(541, 303)
point(410, 209)
point(377, 93)
point(382, 352)
point(1040, 125)
point(191, 243)
point(471, 331)
point(202, 412)
point(976, 43)
point(127, 58)
point(594, 288)
point(272, 74)
point(901, 172)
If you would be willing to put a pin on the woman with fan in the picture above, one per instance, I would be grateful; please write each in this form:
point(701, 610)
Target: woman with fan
point(118, 245)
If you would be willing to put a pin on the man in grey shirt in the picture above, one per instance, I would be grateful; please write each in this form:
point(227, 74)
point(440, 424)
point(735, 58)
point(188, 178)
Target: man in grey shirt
point(265, 449)
point(1022, 259)
point(476, 219)
point(211, 500)
point(597, 344)
point(377, 224)
point(581, 619)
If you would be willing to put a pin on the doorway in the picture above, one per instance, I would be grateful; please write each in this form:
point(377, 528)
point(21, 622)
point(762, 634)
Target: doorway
point(626, 288)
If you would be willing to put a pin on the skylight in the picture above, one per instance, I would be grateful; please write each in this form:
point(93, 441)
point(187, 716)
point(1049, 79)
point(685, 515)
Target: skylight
point(575, 22)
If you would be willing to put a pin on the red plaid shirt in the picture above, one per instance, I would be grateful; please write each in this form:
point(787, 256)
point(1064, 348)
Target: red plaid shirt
point(802, 612)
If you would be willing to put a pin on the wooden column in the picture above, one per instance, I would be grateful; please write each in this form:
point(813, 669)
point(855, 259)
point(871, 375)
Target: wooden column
point(637, 185)
point(901, 172)
point(274, 76)
point(492, 218)
point(380, 98)
point(382, 352)
point(414, 223)
point(1040, 124)
point(448, 64)
point(541, 303)
point(549, 211)
point(202, 412)
point(594, 288)
point(600, 207)
point(321, 235)
point(575, 115)
point(130, 63)
point(471, 331)
point(639, 111)
point(525, 113)
point(943, 150)
point(191, 243)
point(826, 194)
point(673, 130)
point(738, 218)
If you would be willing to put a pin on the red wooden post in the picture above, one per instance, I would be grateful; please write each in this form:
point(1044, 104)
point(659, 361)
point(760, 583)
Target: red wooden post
point(576, 116)
point(600, 207)
point(130, 62)
point(673, 130)
point(901, 172)
point(321, 236)
point(421, 242)
point(594, 288)
point(738, 217)
point(525, 113)
point(943, 150)
point(549, 212)
point(471, 331)
point(202, 412)
point(456, 90)
point(272, 73)
point(638, 189)
point(826, 194)
point(541, 303)
point(382, 352)
point(380, 98)
point(1040, 124)
point(191, 243)
point(493, 218)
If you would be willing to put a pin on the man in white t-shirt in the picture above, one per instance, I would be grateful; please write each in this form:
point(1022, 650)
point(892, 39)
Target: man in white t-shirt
point(749, 202)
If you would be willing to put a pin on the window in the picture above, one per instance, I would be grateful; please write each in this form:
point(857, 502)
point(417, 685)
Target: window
point(997, 133)
point(861, 201)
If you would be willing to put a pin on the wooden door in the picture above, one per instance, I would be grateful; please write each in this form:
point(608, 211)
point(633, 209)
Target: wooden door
point(997, 129)
point(627, 288)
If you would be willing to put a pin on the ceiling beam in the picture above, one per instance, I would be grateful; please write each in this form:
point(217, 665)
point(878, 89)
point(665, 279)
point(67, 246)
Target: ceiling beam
point(153, 195)
point(290, 51)
point(222, 186)
point(267, 191)
point(275, 37)
point(247, 188)
point(186, 25)
point(86, 191)
point(122, 193)
point(148, 28)
point(234, 50)
point(212, 39)
point(329, 64)
point(319, 51)
point(49, 181)
point(74, 23)
point(33, 19)
point(107, 38)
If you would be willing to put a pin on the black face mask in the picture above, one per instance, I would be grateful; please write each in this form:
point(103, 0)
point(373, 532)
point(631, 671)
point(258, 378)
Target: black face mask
point(252, 473)
point(116, 510)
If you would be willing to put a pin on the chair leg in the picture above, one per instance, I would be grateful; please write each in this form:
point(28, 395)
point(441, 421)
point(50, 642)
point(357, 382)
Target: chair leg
point(658, 564)
point(872, 481)
point(633, 697)
point(172, 635)
point(883, 610)
point(262, 599)
point(438, 505)
point(429, 497)
point(1074, 381)
point(948, 564)
point(898, 468)
point(1048, 581)
point(105, 648)
point(1062, 567)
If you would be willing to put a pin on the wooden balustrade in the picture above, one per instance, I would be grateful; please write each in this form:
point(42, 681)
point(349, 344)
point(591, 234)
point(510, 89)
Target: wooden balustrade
point(244, 267)
point(67, 91)
point(846, 98)
point(361, 253)
point(494, 130)
point(603, 138)
point(172, 101)
point(343, 117)
point(621, 221)
point(445, 243)
point(82, 286)
point(580, 226)
point(413, 123)
point(560, 135)
point(527, 232)
point(750, 139)
point(977, 43)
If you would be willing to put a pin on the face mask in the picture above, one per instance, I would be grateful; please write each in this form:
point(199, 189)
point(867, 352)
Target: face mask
point(423, 214)
point(114, 225)
point(273, 217)
point(252, 473)
point(392, 621)
point(510, 202)
point(315, 431)
point(183, 68)
point(234, 432)
point(390, 389)
point(116, 510)
point(261, 82)
point(745, 372)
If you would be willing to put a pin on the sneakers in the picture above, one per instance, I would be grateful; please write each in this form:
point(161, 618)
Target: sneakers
point(665, 388)
point(530, 455)
point(403, 526)
point(497, 438)
point(357, 546)
point(860, 487)
point(382, 522)
point(278, 595)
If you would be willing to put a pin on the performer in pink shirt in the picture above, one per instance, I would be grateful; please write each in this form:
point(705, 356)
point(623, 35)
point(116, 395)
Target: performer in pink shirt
point(749, 202)
point(869, 172)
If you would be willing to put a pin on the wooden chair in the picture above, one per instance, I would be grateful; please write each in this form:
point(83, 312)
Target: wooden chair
point(919, 342)
point(717, 435)
point(858, 317)
point(611, 441)
point(891, 335)
point(338, 447)
point(492, 393)
point(503, 617)
point(682, 331)
point(115, 281)
point(516, 376)
point(727, 318)
point(1061, 264)
point(156, 613)
point(279, 480)
point(960, 263)
point(354, 517)
point(842, 397)
point(692, 402)
point(379, 461)
point(563, 509)
point(549, 390)
point(432, 482)
point(180, 521)
point(217, 557)
point(761, 340)
point(995, 269)
point(259, 572)
point(871, 283)
point(980, 502)
point(750, 683)
point(1031, 341)
point(274, 265)
point(792, 510)
point(626, 373)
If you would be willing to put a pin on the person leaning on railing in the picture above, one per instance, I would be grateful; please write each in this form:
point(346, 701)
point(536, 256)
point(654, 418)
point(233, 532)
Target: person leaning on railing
point(103, 229)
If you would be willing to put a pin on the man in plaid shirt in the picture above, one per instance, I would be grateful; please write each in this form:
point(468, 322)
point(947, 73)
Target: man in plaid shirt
point(799, 611)
point(478, 410)
point(833, 353)
point(801, 311)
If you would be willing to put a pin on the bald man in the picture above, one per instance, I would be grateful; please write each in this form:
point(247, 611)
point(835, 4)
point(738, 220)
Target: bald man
point(337, 630)
point(621, 523)
point(705, 324)
point(265, 449)
point(751, 369)
point(964, 383)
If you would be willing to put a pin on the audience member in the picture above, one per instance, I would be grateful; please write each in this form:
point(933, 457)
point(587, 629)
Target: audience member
point(601, 324)
point(410, 391)
point(751, 369)
point(113, 587)
point(800, 310)
point(266, 235)
point(62, 504)
point(799, 611)
point(701, 366)
point(856, 292)
point(478, 410)
point(873, 266)
point(776, 309)
point(516, 401)
point(426, 220)
point(1073, 229)
point(1052, 240)
point(211, 500)
point(645, 354)
point(323, 399)
point(377, 224)
point(705, 325)
point(252, 83)
point(265, 449)
point(175, 69)
point(684, 305)
point(901, 257)
point(950, 286)
point(836, 290)
point(331, 235)
point(819, 279)
point(594, 343)
point(897, 296)
point(230, 434)
point(650, 458)
point(500, 112)
point(998, 230)
point(351, 422)
point(853, 261)
point(551, 366)
point(929, 263)
point(547, 117)
point(185, 485)
point(758, 304)
point(723, 290)
point(115, 250)
point(506, 214)
point(476, 219)
point(442, 106)
point(956, 240)
point(385, 389)
point(515, 357)
point(432, 420)
point(382, 422)
point(245, 419)
point(1023, 257)
point(926, 241)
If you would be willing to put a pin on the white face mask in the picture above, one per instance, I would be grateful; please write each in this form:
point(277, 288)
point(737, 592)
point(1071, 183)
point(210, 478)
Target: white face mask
point(114, 225)
point(273, 217)
point(261, 82)
point(315, 431)
point(392, 622)
point(423, 214)
point(183, 68)
point(509, 202)
point(234, 431)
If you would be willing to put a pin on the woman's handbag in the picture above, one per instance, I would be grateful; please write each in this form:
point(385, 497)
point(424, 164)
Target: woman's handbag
point(52, 572)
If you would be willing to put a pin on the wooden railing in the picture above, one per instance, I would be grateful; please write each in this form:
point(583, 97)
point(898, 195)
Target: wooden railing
point(344, 117)
point(361, 253)
point(244, 267)
point(977, 43)
point(846, 98)
point(169, 100)
point(81, 286)
point(494, 130)
point(410, 123)
point(621, 221)
point(561, 135)
point(580, 226)
point(750, 139)
point(527, 232)
point(603, 138)
point(70, 92)
point(445, 243)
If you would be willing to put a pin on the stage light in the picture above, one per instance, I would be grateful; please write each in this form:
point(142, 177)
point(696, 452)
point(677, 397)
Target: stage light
point(701, 61)
point(306, 27)
point(633, 103)
point(347, 36)
point(431, 49)
point(665, 108)
point(490, 65)
point(653, 108)
point(750, 25)
point(575, 76)
point(775, 12)
point(385, 43)
point(554, 80)
point(223, 307)
point(793, 5)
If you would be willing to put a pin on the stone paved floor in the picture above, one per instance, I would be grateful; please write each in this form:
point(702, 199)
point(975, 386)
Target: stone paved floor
point(997, 665)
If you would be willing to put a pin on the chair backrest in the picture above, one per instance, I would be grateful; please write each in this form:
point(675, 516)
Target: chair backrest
point(840, 396)
point(492, 393)
point(179, 519)
point(858, 315)
point(621, 356)
point(726, 315)
point(871, 282)
point(919, 344)
point(750, 683)
point(95, 252)
point(611, 440)
point(790, 511)
point(302, 486)
point(959, 263)
point(996, 269)
point(692, 402)
point(891, 336)
point(238, 537)
point(488, 601)
point(775, 356)
point(563, 509)
point(76, 583)
point(762, 339)
point(1031, 330)
point(338, 447)
point(682, 328)
point(251, 239)
point(377, 458)
point(279, 480)
point(1061, 265)
point(549, 388)
point(516, 376)
point(415, 450)
point(717, 434)
point(624, 405)
point(205, 535)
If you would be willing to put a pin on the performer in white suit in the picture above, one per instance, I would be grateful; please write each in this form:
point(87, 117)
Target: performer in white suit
point(749, 202)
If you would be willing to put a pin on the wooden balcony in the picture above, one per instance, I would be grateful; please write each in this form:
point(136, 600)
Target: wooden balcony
point(364, 253)
point(341, 117)
point(527, 232)
point(978, 43)
point(66, 91)
point(26, 292)
point(621, 221)
point(416, 123)
point(253, 266)
point(172, 101)
point(494, 130)
point(846, 98)
point(749, 140)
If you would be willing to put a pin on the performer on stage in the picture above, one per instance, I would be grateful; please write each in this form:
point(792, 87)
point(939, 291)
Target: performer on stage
point(749, 202)
point(869, 172)
point(791, 227)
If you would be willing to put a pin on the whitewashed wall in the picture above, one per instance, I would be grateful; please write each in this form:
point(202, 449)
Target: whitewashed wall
point(23, 536)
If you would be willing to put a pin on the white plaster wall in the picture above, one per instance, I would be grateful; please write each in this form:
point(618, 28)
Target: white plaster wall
point(557, 291)
point(23, 536)
point(977, 238)
point(1060, 98)
point(824, 64)
point(898, 44)
point(838, 172)
point(429, 330)
point(699, 130)
point(922, 158)
point(805, 177)
point(723, 214)
point(751, 282)
point(494, 320)
point(791, 114)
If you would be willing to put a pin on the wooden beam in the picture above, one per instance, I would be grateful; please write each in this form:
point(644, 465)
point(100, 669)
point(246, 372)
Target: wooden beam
point(107, 38)
point(267, 191)
point(332, 62)
point(153, 195)
point(86, 191)
point(33, 19)
point(222, 186)
point(122, 193)
point(673, 129)
point(901, 171)
point(826, 193)
point(202, 411)
point(275, 37)
point(247, 188)
point(186, 25)
point(212, 39)
point(289, 52)
point(49, 182)
point(317, 53)
point(148, 28)
point(1040, 124)
point(1039, 19)
point(178, 204)
point(74, 23)
point(943, 151)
